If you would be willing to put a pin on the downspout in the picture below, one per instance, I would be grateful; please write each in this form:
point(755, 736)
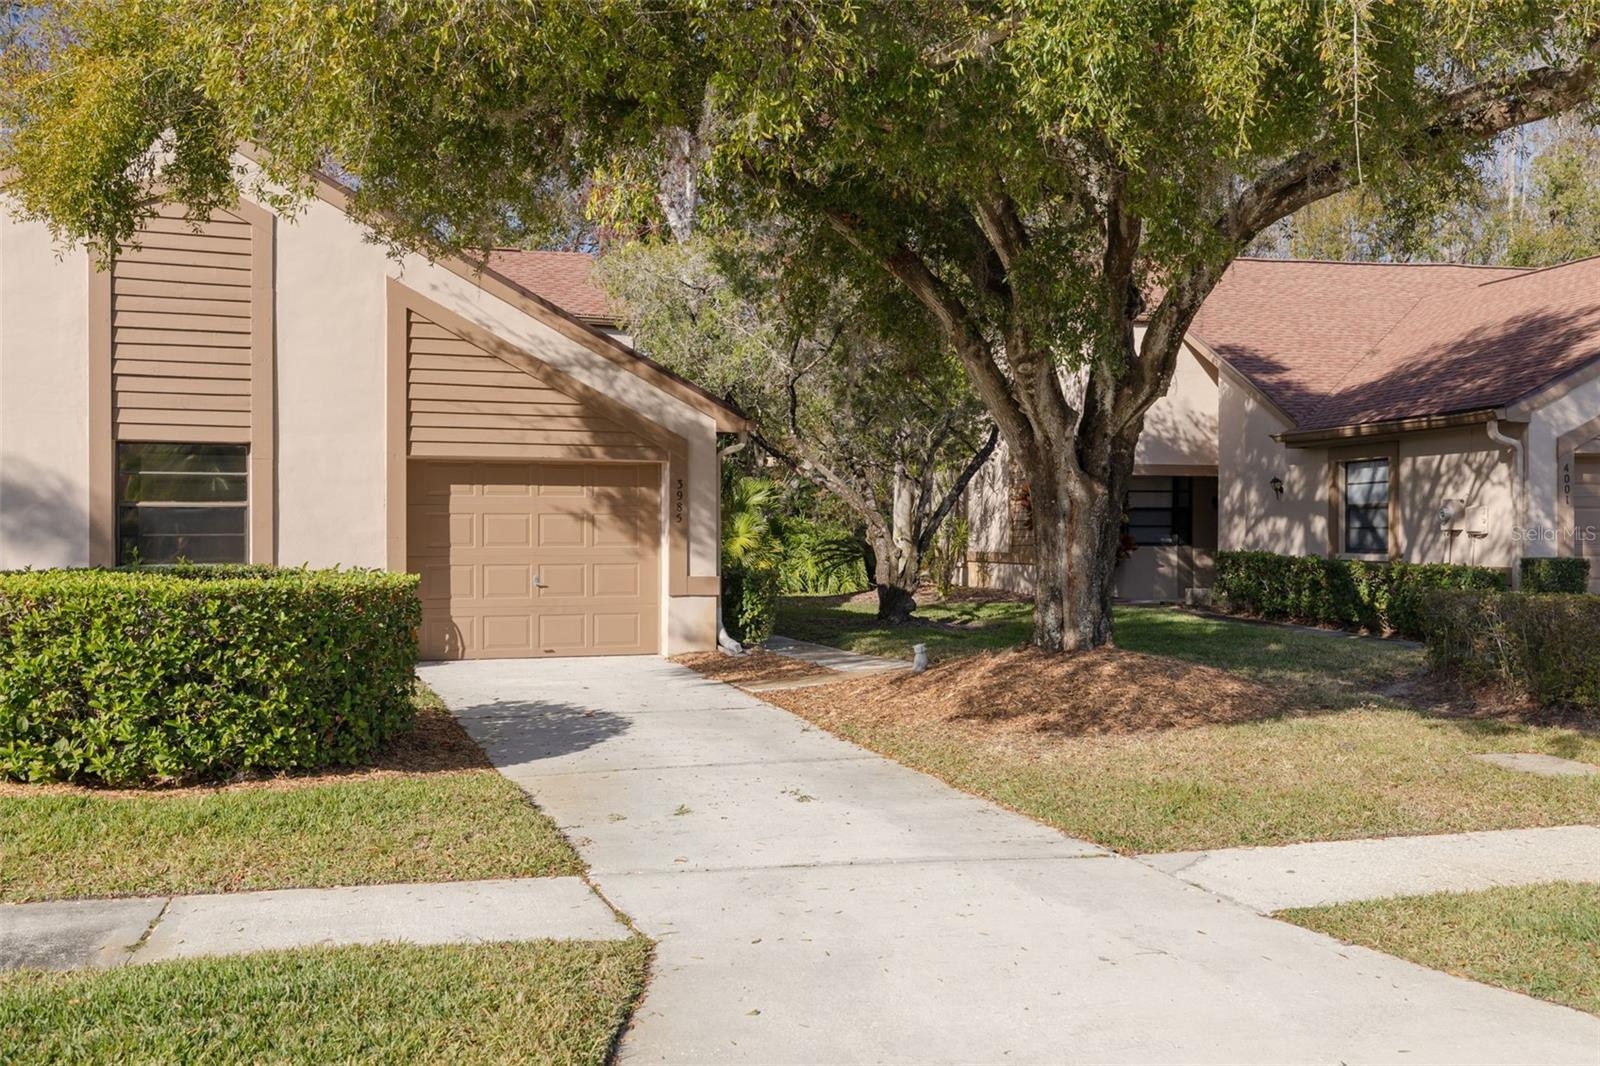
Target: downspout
point(1519, 486)
point(725, 641)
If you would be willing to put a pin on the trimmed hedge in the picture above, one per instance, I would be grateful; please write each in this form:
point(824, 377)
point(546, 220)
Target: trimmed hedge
point(1555, 575)
point(1311, 589)
point(1547, 647)
point(133, 677)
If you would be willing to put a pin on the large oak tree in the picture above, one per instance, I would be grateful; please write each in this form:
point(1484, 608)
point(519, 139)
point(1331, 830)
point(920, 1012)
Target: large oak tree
point(1040, 175)
point(875, 414)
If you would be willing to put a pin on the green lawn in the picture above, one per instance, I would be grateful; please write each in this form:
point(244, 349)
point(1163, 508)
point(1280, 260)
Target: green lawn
point(1354, 773)
point(456, 819)
point(1342, 763)
point(1322, 670)
point(1543, 940)
point(547, 1001)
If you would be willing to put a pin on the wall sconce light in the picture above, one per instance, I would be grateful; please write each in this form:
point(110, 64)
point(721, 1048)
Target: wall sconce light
point(1277, 487)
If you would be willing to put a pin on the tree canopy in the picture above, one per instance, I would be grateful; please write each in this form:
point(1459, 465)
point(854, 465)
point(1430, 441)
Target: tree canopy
point(1038, 177)
point(879, 416)
point(1536, 203)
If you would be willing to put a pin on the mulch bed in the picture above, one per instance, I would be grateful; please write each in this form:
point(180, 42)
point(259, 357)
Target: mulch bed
point(1025, 692)
point(437, 744)
point(755, 666)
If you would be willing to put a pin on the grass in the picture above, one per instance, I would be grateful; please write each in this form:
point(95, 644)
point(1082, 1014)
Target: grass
point(1357, 773)
point(1342, 763)
point(545, 1001)
point(1542, 940)
point(1322, 671)
point(443, 815)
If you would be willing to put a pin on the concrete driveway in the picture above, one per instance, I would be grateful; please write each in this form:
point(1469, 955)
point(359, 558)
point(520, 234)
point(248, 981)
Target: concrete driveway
point(815, 903)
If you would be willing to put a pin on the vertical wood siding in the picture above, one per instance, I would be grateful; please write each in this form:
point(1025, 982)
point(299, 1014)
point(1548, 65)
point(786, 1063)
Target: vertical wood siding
point(463, 401)
point(182, 327)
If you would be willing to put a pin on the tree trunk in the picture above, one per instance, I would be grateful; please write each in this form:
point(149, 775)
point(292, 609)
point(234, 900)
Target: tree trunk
point(1077, 530)
point(899, 563)
point(895, 604)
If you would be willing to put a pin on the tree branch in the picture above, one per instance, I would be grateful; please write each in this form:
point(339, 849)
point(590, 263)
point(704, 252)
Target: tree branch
point(931, 527)
point(954, 320)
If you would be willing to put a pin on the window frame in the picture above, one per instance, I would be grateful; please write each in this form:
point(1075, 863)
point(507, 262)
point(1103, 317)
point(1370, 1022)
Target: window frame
point(1338, 501)
point(1180, 510)
point(244, 505)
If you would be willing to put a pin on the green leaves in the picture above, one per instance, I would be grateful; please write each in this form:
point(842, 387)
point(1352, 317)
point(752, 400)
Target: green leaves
point(125, 678)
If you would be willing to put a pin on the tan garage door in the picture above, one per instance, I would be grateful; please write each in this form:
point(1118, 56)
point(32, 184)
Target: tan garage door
point(1586, 514)
point(531, 559)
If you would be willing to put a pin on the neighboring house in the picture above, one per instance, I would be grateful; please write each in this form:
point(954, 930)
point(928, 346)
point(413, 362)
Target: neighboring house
point(284, 391)
point(1427, 413)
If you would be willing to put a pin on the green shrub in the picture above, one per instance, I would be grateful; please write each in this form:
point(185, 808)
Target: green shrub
point(131, 677)
point(820, 559)
point(750, 603)
point(1555, 575)
point(1545, 646)
point(1380, 597)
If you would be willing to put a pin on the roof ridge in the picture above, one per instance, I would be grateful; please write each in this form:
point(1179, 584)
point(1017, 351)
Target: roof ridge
point(1530, 271)
point(1387, 263)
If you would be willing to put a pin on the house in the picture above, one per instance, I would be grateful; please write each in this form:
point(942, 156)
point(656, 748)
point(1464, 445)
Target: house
point(1417, 412)
point(274, 390)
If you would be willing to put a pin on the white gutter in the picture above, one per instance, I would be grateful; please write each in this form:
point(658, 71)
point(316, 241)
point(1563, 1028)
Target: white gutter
point(1519, 484)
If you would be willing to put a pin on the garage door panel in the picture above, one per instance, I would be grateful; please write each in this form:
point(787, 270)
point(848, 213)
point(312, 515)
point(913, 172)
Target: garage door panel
point(616, 530)
point(441, 582)
point(615, 579)
point(505, 633)
point(480, 532)
point(503, 581)
point(616, 630)
point(563, 580)
point(565, 481)
point(506, 530)
point(563, 633)
point(563, 530)
point(516, 489)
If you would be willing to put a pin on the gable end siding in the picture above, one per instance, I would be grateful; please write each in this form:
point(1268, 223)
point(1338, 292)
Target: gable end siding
point(463, 401)
point(183, 325)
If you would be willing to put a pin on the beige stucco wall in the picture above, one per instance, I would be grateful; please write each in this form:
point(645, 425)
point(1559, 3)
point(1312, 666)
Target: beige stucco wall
point(44, 400)
point(1454, 464)
point(1250, 517)
point(1433, 466)
point(1180, 429)
point(988, 504)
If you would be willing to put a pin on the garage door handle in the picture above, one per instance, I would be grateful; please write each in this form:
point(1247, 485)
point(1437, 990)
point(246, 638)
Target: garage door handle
point(538, 582)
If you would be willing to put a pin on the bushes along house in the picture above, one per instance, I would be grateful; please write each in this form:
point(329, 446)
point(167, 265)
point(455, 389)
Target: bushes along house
point(1312, 589)
point(131, 677)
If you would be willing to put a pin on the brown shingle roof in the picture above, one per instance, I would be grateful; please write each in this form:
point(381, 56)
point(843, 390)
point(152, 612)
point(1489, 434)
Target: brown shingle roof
point(1475, 348)
point(563, 278)
point(1300, 330)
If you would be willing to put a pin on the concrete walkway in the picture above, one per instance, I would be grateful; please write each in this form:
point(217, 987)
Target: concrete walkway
point(1309, 875)
point(816, 903)
point(114, 932)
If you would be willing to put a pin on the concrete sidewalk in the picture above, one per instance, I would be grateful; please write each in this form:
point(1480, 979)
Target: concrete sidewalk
point(1310, 875)
point(848, 662)
point(813, 902)
point(114, 932)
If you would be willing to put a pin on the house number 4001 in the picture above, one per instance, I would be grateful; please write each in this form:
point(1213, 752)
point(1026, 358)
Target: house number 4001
point(677, 500)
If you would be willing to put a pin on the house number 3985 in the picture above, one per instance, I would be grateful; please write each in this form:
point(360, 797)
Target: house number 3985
point(678, 500)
